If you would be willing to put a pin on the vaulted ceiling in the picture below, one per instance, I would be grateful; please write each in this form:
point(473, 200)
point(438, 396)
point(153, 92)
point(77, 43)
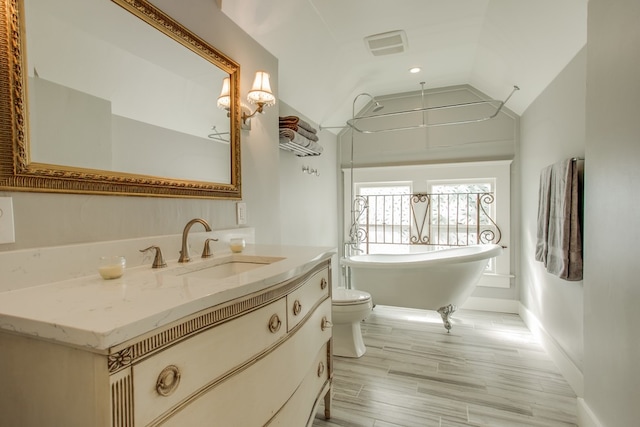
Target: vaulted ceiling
point(491, 45)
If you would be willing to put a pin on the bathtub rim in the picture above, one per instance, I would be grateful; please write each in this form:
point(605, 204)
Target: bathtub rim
point(459, 254)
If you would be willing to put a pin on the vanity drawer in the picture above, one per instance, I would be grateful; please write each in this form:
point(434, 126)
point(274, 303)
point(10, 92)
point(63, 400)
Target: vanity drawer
point(302, 300)
point(167, 378)
point(303, 404)
point(252, 396)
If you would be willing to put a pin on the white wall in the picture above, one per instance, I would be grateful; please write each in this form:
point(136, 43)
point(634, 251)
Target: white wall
point(58, 219)
point(612, 206)
point(308, 203)
point(552, 129)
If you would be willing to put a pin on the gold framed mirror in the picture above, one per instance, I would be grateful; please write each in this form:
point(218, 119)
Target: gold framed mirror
point(101, 126)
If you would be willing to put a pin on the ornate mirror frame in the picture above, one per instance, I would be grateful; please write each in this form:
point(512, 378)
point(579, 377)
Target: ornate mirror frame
point(18, 173)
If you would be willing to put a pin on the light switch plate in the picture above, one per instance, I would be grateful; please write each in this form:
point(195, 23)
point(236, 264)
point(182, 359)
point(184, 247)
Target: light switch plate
point(7, 232)
point(241, 213)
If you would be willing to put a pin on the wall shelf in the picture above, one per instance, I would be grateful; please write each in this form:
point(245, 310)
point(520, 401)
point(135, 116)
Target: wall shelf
point(297, 149)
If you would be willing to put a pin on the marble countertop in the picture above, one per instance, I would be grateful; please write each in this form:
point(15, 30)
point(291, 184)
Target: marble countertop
point(97, 314)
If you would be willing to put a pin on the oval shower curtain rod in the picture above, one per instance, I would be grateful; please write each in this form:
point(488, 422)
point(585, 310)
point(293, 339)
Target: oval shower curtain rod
point(352, 122)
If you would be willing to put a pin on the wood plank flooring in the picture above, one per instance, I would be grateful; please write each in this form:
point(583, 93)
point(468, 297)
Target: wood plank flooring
point(489, 371)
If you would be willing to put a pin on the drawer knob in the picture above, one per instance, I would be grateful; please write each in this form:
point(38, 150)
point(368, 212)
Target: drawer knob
point(326, 324)
point(323, 283)
point(297, 308)
point(168, 380)
point(320, 369)
point(274, 323)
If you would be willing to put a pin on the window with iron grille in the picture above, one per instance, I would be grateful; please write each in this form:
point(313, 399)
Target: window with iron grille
point(430, 207)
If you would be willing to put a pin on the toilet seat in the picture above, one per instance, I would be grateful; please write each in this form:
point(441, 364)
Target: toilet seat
point(342, 296)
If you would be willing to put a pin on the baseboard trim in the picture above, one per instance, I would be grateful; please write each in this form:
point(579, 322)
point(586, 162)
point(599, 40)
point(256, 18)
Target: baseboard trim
point(573, 375)
point(567, 368)
point(491, 304)
point(586, 418)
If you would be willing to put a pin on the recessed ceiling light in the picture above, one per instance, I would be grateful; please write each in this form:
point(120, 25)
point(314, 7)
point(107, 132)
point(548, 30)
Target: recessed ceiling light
point(415, 70)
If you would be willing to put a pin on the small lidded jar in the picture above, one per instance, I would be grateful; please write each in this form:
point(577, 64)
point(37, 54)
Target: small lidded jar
point(112, 267)
point(237, 244)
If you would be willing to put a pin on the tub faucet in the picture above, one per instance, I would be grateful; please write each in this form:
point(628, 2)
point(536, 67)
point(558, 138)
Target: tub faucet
point(184, 252)
point(351, 248)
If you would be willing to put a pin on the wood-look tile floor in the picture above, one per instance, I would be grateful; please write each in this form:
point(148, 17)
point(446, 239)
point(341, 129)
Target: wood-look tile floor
point(489, 371)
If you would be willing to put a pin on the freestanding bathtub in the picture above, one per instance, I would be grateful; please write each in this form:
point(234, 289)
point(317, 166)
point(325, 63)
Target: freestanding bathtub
point(437, 280)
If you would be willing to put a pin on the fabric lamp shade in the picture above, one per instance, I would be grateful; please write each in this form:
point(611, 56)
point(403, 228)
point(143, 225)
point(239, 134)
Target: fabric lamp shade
point(260, 92)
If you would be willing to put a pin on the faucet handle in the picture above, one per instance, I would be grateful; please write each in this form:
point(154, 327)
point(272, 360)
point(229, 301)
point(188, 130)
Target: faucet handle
point(206, 251)
point(158, 260)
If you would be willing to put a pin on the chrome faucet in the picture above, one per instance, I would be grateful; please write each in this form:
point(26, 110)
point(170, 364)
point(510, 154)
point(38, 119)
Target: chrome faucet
point(184, 253)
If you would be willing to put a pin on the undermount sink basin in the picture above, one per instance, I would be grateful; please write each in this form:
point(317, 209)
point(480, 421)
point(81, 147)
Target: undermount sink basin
point(226, 267)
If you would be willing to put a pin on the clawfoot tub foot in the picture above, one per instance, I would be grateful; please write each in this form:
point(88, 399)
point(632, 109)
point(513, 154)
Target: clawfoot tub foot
point(445, 313)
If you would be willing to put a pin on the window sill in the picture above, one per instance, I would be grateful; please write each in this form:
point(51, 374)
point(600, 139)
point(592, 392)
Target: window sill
point(493, 280)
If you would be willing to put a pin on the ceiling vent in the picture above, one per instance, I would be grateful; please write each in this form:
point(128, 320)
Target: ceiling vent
point(386, 43)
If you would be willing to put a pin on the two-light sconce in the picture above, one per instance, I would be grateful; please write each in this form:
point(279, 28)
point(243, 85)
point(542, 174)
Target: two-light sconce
point(260, 95)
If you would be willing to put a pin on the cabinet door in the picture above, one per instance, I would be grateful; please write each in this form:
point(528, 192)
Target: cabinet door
point(171, 376)
point(252, 396)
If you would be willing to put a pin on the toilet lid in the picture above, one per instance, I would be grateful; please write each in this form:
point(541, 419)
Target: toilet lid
point(349, 296)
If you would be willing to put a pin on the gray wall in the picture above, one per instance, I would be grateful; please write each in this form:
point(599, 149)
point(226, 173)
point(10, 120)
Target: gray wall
point(552, 129)
point(612, 203)
point(493, 139)
point(63, 117)
point(58, 219)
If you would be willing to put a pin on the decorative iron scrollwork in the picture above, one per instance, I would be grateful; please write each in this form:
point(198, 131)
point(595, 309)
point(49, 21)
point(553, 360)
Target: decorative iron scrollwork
point(443, 219)
point(488, 235)
point(420, 236)
point(358, 232)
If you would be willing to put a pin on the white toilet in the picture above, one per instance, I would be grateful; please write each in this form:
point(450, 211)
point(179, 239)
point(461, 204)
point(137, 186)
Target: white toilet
point(349, 308)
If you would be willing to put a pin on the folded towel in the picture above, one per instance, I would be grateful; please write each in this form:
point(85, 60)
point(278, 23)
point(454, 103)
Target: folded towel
point(288, 135)
point(289, 119)
point(300, 130)
point(559, 240)
point(295, 120)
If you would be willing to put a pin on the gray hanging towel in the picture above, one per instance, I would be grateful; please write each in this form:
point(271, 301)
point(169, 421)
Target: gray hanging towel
point(559, 239)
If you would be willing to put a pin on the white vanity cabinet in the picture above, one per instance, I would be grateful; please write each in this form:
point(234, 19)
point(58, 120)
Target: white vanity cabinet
point(260, 359)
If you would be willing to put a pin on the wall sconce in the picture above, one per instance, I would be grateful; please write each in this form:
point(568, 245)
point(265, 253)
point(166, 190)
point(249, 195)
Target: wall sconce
point(260, 94)
point(224, 100)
